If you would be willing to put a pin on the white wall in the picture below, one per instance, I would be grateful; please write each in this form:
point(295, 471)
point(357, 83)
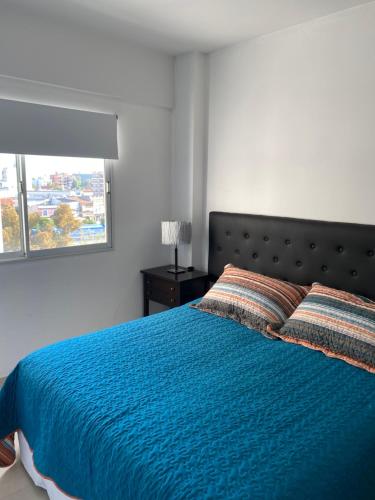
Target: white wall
point(39, 49)
point(48, 300)
point(292, 120)
point(188, 181)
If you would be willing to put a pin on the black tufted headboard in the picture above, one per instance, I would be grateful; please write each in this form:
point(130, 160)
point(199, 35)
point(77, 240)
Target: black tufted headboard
point(301, 251)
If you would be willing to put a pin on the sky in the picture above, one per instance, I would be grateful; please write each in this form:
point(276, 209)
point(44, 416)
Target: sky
point(40, 166)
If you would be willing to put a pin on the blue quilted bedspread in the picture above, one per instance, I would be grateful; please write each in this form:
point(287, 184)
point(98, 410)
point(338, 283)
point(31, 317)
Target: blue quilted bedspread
point(184, 405)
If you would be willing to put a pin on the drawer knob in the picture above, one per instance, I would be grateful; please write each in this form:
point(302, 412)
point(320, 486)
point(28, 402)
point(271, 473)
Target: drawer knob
point(172, 300)
point(172, 288)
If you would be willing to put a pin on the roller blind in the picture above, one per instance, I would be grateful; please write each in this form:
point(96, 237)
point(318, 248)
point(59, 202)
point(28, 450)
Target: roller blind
point(35, 129)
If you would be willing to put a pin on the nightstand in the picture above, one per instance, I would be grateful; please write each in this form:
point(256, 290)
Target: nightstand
point(172, 289)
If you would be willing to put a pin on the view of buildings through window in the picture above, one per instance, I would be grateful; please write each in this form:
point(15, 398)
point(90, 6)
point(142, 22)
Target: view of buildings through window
point(66, 202)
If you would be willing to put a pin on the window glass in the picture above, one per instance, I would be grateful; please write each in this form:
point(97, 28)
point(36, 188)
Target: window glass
point(66, 202)
point(10, 221)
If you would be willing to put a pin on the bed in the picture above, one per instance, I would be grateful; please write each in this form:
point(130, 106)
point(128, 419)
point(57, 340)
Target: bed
point(184, 404)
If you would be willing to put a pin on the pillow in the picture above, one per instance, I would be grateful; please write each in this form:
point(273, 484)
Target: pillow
point(340, 324)
point(252, 299)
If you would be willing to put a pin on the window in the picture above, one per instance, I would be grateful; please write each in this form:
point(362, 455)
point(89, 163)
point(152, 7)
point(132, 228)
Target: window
point(54, 184)
point(53, 205)
point(10, 220)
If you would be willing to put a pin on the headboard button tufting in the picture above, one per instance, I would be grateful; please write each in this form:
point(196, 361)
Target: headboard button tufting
point(340, 255)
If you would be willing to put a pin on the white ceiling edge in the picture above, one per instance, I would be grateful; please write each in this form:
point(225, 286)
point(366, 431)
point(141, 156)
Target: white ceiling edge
point(179, 26)
point(304, 25)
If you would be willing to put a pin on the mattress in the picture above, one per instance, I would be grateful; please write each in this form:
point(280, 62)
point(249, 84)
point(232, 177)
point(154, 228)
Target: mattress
point(184, 404)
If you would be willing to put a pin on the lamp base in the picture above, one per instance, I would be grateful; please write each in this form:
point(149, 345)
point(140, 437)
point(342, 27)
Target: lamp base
point(179, 270)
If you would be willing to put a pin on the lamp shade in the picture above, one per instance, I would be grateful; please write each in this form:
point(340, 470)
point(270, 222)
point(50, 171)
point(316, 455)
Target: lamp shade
point(174, 232)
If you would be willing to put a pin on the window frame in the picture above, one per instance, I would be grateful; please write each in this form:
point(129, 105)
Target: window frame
point(26, 253)
point(21, 254)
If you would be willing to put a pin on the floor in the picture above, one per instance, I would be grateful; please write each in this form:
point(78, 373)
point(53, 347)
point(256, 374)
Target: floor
point(15, 484)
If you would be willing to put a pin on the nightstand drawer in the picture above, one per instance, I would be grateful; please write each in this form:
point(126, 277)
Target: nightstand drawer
point(162, 291)
point(171, 289)
point(162, 297)
point(162, 285)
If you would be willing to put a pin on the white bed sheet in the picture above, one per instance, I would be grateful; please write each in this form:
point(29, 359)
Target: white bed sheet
point(26, 456)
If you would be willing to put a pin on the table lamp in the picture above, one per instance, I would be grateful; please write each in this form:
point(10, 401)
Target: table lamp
point(174, 232)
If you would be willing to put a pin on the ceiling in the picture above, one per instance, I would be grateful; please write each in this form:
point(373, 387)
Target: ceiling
point(177, 26)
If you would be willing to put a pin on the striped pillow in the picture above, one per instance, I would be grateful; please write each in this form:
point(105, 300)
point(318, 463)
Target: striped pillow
point(339, 324)
point(7, 451)
point(252, 299)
